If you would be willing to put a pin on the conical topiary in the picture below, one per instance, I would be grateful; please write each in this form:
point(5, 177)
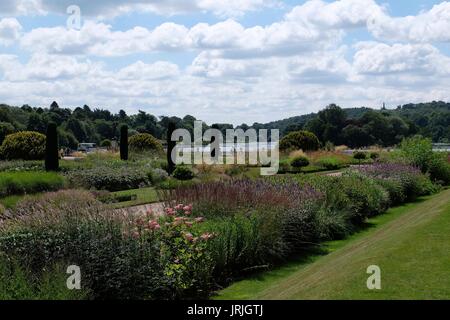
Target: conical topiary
point(170, 146)
point(51, 148)
point(124, 142)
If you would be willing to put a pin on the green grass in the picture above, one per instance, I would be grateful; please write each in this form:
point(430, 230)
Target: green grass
point(22, 182)
point(143, 196)
point(410, 244)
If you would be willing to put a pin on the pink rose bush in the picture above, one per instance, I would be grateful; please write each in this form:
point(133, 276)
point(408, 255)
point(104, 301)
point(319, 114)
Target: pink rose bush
point(182, 246)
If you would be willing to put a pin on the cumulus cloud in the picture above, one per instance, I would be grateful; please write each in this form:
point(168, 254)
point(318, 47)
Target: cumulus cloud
point(428, 26)
point(380, 58)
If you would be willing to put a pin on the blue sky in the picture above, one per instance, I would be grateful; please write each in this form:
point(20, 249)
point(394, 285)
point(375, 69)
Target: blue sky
point(225, 61)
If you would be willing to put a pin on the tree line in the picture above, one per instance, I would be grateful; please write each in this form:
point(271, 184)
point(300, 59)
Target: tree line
point(355, 127)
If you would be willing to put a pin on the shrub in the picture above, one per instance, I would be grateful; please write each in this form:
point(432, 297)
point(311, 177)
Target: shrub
point(144, 142)
point(402, 181)
point(111, 179)
point(106, 143)
point(284, 166)
point(183, 173)
point(25, 145)
point(360, 156)
point(299, 162)
point(12, 183)
point(439, 168)
point(303, 140)
point(374, 155)
point(6, 128)
point(158, 175)
point(330, 163)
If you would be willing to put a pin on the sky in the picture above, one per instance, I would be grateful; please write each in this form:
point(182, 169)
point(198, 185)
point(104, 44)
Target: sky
point(224, 61)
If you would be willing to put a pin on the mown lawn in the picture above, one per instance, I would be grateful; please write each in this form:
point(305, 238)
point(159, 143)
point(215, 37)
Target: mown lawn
point(410, 244)
point(143, 196)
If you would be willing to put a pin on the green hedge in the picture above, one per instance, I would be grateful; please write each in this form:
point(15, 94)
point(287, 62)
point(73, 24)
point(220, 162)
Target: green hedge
point(12, 183)
point(25, 145)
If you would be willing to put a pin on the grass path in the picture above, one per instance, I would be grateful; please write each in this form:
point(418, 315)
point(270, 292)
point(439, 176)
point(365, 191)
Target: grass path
point(411, 245)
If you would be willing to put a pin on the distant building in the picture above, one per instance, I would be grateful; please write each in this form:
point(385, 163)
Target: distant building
point(87, 147)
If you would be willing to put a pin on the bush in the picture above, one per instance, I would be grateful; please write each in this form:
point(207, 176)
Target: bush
point(121, 256)
point(439, 168)
point(12, 183)
point(158, 175)
point(300, 162)
point(144, 142)
point(374, 155)
point(330, 163)
point(303, 140)
point(106, 143)
point(111, 179)
point(285, 166)
point(25, 145)
point(360, 156)
point(183, 173)
point(403, 182)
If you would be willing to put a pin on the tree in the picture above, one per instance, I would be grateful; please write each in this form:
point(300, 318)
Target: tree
point(170, 146)
point(355, 137)
point(5, 129)
point(51, 148)
point(124, 142)
point(36, 123)
point(78, 129)
point(304, 140)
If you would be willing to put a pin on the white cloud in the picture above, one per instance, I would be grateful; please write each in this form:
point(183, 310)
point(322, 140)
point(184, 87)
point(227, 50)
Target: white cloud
point(428, 26)
point(419, 59)
point(155, 71)
point(10, 30)
point(113, 8)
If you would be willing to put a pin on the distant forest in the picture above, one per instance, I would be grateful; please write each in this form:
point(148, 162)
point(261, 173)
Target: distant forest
point(355, 127)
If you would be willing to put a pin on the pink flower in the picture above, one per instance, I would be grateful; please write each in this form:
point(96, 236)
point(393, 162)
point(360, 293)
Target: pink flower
point(188, 223)
point(199, 219)
point(153, 225)
point(188, 236)
point(135, 234)
point(170, 212)
point(206, 236)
